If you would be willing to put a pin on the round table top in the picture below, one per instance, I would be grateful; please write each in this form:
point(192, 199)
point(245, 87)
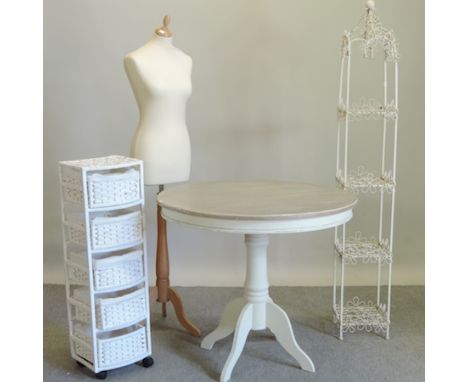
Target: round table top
point(254, 201)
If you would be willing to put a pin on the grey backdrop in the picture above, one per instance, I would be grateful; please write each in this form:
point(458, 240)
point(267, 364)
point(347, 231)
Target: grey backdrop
point(265, 84)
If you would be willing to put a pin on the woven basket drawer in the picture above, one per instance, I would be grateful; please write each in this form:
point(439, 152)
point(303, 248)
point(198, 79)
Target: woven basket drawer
point(109, 273)
point(113, 350)
point(113, 231)
point(104, 190)
point(117, 311)
point(118, 271)
point(114, 311)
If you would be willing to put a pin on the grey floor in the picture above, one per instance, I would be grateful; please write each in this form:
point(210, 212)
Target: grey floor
point(178, 357)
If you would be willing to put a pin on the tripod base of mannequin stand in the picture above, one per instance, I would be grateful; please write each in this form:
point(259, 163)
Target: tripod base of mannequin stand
point(174, 298)
point(165, 292)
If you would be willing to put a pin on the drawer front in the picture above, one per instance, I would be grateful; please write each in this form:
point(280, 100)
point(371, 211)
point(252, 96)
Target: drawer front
point(116, 231)
point(121, 310)
point(117, 351)
point(106, 190)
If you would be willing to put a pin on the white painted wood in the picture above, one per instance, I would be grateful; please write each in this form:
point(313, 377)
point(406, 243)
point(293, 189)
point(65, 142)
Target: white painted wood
point(256, 278)
point(278, 322)
point(255, 311)
point(256, 209)
point(256, 200)
point(243, 326)
point(258, 226)
point(226, 325)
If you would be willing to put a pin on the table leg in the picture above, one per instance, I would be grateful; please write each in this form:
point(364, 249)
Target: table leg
point(255, 311)
point(278, 322)
point(243, 327)
point(226, 325)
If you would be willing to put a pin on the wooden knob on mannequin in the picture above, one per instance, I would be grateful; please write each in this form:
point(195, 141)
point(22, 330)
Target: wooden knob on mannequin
point(164, 30)
point(370, 4)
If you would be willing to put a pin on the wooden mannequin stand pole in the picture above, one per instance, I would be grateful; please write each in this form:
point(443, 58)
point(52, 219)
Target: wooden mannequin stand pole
point(165, 292)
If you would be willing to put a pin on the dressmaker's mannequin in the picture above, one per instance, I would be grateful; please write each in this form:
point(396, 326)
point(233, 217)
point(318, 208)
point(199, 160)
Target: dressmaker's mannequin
point(160, 76)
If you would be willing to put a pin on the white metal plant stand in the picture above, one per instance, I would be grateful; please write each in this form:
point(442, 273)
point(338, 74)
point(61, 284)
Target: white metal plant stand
point(355, 315)
point(105, 262)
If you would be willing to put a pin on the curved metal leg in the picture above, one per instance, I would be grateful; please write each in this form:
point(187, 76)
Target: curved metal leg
point(226, 325)
point(244, 324)
point(278, 322)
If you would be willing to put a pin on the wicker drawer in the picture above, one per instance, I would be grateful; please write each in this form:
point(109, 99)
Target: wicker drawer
point(107, 231)
point(104, 189)
point(116, 230)
point(109, 273)
point(111, 312)
point(113, 349)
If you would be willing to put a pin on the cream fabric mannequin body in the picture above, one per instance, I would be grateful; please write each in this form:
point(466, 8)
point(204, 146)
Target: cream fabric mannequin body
point(160, 76)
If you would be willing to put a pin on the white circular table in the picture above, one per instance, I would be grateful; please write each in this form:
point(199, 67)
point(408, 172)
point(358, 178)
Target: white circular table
point(256, 209)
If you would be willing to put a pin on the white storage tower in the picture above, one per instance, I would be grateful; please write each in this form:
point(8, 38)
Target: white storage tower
point(105, 262)
point(371, 40)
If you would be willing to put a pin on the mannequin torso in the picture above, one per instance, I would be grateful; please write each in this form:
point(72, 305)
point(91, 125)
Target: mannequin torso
point(160, 76)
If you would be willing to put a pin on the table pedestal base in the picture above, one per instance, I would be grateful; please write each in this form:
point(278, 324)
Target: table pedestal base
point(255, 311)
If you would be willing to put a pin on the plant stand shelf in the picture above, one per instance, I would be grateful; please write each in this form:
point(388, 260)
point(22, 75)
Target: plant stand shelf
point(360, 249)
point(358, 315)
point(362, 181)
point(369, 36)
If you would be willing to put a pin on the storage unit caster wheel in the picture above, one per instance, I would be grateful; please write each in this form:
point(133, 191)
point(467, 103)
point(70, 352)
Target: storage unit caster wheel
point(101, 375)
point(147, 362)
point(80, 364)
